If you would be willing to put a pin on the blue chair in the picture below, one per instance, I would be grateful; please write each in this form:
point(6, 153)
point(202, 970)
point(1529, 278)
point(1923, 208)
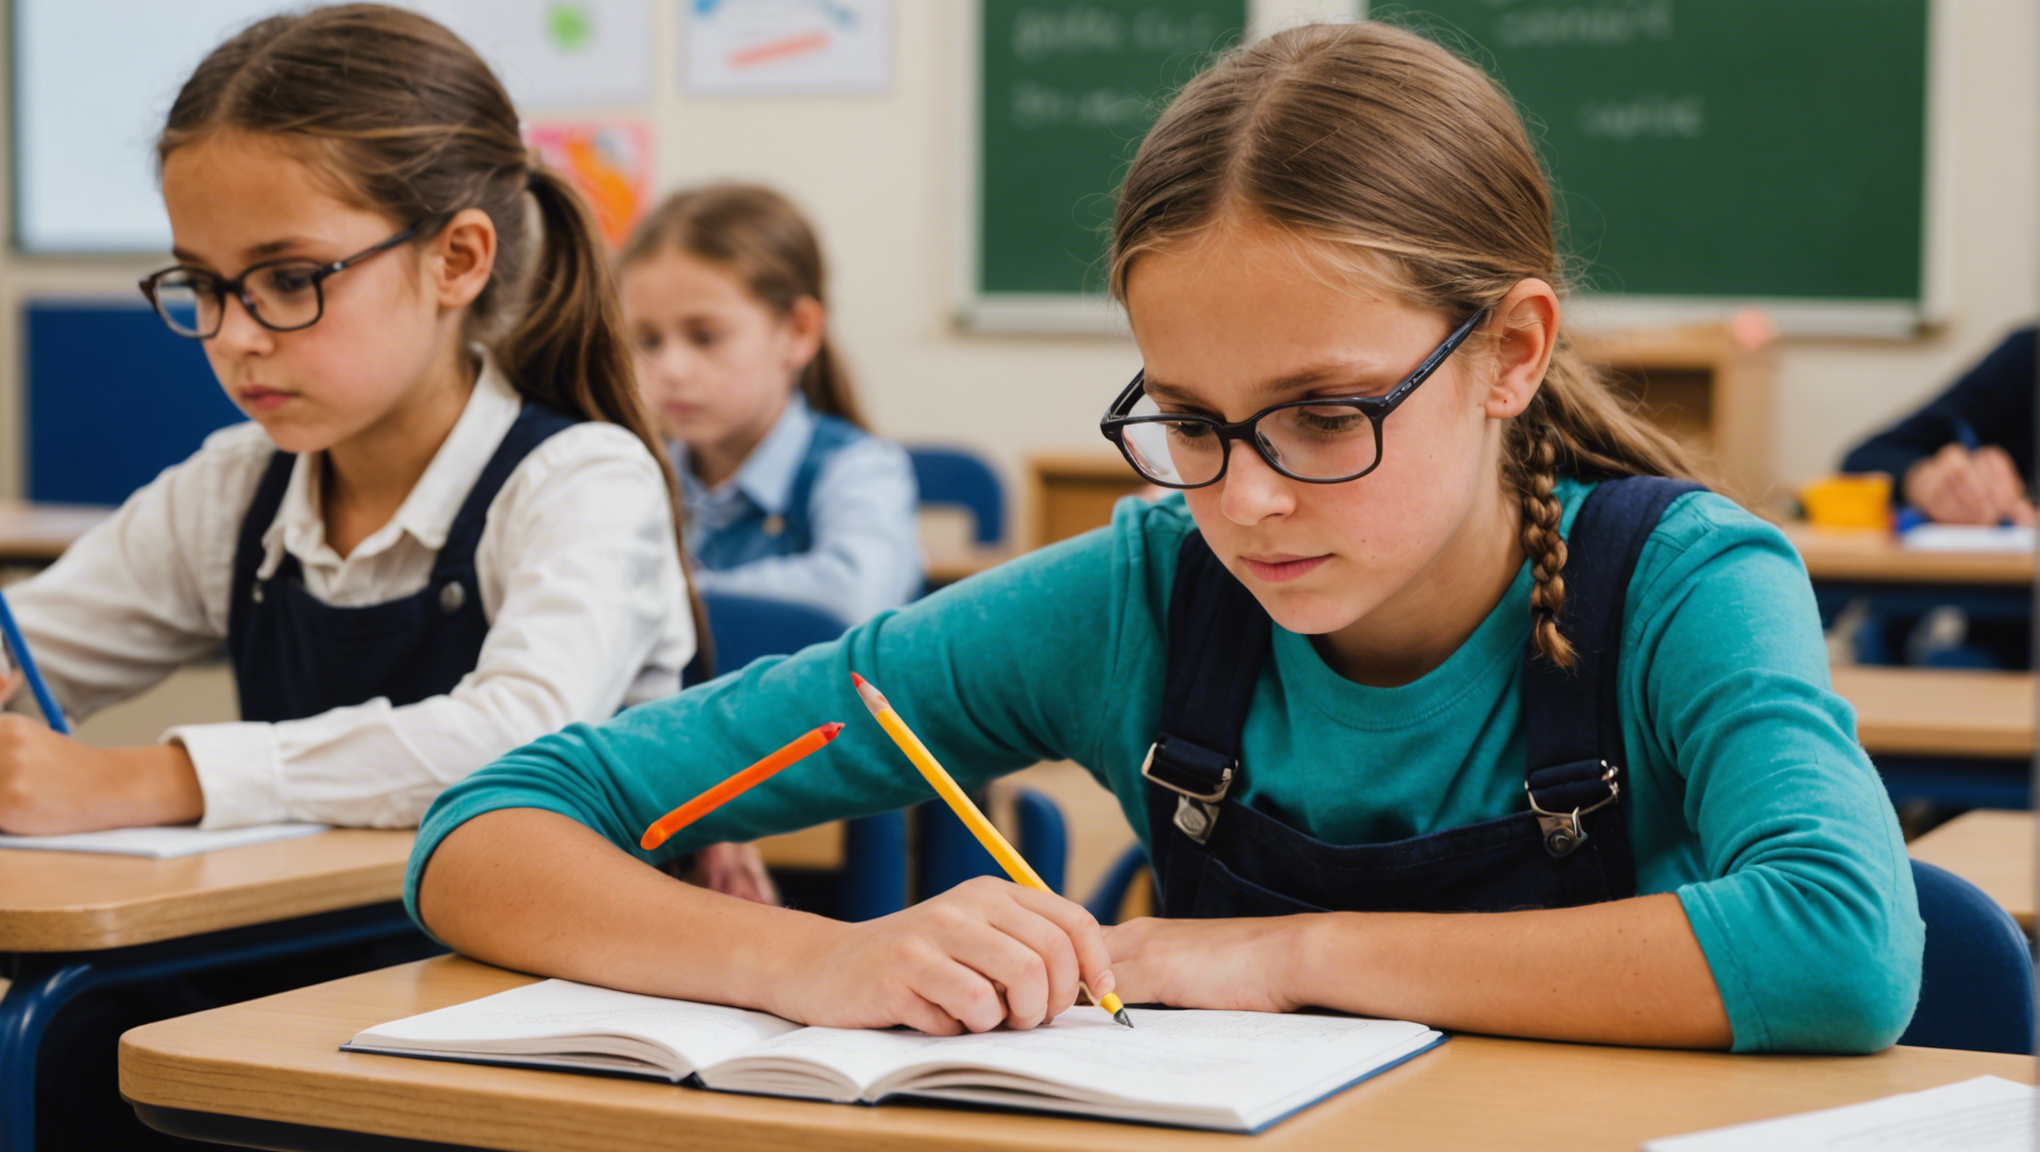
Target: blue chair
point(113, 397)
point(958, 477)
point(949, 854)
point(874, 878)
point(1106, 900)
point(1976, 986)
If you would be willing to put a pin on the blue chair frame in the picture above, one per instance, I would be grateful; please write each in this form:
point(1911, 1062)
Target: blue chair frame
point(44, 983)
point(959, 477)
point(950, 855)
point(874, 878)
point(1976, 983)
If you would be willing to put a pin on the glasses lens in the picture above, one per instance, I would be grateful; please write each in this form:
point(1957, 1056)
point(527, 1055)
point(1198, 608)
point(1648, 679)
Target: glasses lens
point(1319, 441)
point(1183, 451)
point(285, 295)
point(187, 303)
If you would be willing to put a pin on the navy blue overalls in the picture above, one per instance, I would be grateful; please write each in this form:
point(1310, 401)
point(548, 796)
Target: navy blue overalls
point(294, 656)
point(297, 656)
point(1215, 856)
point(756, 535)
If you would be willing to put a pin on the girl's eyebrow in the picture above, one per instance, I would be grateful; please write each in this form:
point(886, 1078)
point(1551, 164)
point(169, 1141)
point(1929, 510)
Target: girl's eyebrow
point(253, 255)
point(1353, 374)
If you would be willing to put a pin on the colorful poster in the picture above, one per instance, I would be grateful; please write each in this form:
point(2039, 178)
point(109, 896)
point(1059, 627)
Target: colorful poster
point(609, 162)
point(736, 47)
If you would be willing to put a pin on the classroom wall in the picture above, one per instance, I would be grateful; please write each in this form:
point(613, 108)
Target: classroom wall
point(880, 173)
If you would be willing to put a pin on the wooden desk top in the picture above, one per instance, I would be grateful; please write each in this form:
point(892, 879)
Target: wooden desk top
point(39, 533)
point(1992, 850)
point(1873, 556)
point(276, 1059)
point(1941, 711)
point(950, 565)
point(77, 901)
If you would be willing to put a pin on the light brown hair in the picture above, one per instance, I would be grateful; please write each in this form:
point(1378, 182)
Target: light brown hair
point(406, 120)
point(765, 242)
point(1385, 151)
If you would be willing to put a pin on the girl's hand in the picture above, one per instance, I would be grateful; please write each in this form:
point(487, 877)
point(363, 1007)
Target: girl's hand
point(1240, 964)
point(985, 953)
point(734, 870)
point(51, 784)
point(1957, 486)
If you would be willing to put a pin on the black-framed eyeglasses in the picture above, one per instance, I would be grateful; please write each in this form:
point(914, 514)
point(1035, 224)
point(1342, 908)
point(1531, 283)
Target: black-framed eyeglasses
point(281, 295)
point(1317, 440)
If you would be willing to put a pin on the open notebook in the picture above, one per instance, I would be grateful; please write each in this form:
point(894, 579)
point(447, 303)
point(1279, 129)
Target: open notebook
point(1237, 1071)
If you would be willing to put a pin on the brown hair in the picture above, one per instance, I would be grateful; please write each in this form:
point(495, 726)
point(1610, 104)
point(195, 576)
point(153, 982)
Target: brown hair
point(408, 121)
point(1386, 151)
point(763, 240)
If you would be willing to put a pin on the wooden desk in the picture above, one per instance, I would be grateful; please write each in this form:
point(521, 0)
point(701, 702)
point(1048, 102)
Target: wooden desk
point(1992, 850)
point(275, 1062)
point(1872, 557)
point(1942, 711)
point(74, 902)
point(39, 533)
point(75, 923)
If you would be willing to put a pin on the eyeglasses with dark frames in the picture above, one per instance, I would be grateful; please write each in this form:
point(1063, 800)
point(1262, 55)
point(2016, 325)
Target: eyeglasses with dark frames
point(1316, 440)
point(281, 295)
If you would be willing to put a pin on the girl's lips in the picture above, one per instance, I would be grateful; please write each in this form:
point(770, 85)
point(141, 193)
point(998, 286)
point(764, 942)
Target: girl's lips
point(264, 399)
point(1278, 571)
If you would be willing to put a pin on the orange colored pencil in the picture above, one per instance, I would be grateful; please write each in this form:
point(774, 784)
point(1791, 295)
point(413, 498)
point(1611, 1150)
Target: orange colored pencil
point(721, 794)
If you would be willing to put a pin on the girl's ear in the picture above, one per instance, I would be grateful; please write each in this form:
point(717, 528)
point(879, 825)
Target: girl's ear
point(1525, 324)
point(806, 323)
point(460, 259)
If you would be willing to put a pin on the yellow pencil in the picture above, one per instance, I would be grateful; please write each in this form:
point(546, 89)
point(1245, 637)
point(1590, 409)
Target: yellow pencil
point(1015, 864)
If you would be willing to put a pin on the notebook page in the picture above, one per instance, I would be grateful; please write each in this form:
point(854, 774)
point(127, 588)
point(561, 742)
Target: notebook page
point(1247, 1059)
point(562, 1017)
point(1986, 1114)
point(161, 843)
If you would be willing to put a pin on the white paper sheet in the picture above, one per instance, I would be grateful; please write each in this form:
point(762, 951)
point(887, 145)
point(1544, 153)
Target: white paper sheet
point(1968, 538)
point(161, 843)
point(1987, 1114)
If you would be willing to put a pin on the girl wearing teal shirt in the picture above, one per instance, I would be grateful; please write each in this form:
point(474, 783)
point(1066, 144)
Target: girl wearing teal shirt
point(1331, 227)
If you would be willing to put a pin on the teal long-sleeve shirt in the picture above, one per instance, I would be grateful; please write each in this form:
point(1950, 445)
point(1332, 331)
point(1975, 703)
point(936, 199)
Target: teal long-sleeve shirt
point(1748, 794)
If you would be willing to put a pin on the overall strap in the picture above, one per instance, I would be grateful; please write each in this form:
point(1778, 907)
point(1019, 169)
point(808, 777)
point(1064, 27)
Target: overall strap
point(1572, 717)
point(829, 436)
point(248, 551)
point(535, 423)
point(1218, 640)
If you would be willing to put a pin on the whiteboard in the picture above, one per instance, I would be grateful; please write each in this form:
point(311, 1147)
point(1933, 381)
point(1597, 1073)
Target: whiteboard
point(93, 80)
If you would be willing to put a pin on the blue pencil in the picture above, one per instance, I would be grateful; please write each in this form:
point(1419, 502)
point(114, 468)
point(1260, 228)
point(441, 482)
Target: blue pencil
point(19, 648)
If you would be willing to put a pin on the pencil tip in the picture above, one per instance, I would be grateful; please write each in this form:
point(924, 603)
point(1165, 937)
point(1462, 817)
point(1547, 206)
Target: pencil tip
point(830, 729)
point(1123, 1018)
point(857, 680)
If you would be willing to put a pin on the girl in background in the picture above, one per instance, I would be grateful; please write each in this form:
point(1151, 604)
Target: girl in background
point(1436, 696)
point(788, 496)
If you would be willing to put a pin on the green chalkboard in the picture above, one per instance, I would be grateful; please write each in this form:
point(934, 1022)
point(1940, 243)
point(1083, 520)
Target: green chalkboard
point(1066, 90)
point(1719, 148)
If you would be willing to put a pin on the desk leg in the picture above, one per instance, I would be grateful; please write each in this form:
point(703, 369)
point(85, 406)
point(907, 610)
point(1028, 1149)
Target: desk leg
point(44, 982)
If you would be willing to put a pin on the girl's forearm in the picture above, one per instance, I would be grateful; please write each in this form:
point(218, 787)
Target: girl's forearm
point(533, 890)
point(1625, 972)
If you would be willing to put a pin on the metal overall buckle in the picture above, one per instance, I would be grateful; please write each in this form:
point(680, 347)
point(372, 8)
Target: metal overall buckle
point(1563, 831)
point(1196, 812)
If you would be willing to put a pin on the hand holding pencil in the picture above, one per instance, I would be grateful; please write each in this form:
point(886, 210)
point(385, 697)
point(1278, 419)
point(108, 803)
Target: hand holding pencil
point(1015, 865)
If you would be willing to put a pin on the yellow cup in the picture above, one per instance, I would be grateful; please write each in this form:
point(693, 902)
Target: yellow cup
point(1849, 501)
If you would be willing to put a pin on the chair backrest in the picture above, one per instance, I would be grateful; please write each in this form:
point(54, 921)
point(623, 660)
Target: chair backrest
point(1976, 985)
point(747, 627)
point(956, 476)
point(949, 854)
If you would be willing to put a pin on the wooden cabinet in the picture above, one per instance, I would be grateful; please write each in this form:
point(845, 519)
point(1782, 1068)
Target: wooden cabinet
point(1703, 387)
point(1070, 493)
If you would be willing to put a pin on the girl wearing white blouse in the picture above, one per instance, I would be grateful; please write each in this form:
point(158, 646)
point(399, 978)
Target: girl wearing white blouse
point(448, 530)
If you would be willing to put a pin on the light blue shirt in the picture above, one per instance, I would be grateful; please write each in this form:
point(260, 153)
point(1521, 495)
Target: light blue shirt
point(865, 554)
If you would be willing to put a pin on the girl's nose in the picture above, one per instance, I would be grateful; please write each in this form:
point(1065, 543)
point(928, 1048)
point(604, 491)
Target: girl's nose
point(239, 334)
point(1251, 491)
